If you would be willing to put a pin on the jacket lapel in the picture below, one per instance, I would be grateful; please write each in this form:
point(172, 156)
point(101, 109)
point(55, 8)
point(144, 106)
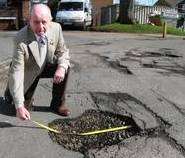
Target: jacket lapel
point(33, 46)
point(50, 45)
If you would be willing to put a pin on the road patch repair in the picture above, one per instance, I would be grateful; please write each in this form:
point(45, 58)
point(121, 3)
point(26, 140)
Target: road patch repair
point(102, 128)
point(96, 129)
point(93, 129)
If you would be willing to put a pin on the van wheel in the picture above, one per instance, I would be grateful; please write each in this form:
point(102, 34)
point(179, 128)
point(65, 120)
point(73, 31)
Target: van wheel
point(84, 26)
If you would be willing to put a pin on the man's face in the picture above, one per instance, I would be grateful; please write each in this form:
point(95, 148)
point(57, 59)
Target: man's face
point(39, 23)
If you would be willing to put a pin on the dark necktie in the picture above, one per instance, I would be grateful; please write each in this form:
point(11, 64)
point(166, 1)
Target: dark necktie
point(42, 48)
point(42, 39)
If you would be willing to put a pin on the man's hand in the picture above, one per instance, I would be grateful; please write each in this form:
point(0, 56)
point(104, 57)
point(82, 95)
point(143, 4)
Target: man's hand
point(23, 113)
point(59, 75)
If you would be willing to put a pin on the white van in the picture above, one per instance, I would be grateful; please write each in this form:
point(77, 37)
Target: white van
point(75, 13)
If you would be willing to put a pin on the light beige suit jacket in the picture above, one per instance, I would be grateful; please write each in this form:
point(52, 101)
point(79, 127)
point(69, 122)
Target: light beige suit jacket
point(25, 65)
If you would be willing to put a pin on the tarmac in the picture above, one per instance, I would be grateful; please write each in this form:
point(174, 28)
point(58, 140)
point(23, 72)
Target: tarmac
point(141, 76)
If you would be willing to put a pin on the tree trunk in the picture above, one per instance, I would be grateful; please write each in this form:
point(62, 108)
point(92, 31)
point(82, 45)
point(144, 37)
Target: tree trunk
point(20, 15)
point(53, 5)
point(126, 11)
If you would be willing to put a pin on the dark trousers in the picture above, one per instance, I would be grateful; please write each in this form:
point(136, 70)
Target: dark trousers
point(58, 90)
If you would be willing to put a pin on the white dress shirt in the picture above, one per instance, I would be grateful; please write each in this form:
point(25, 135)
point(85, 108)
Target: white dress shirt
point(42, 43)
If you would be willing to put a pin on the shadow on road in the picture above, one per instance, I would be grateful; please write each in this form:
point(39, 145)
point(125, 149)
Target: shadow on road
point(9, 109)
point(6, 109)
point(41, 108)
point(8, 125)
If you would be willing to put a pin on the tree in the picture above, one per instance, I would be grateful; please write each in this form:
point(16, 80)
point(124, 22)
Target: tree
point(126, 15)
point(53, 4)
point(162, 3)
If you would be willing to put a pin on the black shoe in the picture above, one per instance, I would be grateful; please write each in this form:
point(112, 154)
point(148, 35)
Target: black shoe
point(58, 107)
point(63, 110)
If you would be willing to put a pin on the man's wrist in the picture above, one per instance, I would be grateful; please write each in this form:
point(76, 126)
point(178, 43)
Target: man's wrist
point(60, 67)
point(19, 106)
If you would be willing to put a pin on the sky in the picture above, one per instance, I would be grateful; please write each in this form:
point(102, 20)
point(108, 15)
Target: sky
point(145, 2)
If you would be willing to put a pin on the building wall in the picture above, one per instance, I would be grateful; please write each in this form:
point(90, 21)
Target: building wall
point(8, 16)
point(181, 7)
point(25, 10)
point(101, 3)
point(173, 3)
point(20, 10)
point(97, 5)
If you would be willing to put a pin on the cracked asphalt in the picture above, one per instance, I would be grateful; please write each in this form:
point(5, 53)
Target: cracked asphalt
point(140, 76)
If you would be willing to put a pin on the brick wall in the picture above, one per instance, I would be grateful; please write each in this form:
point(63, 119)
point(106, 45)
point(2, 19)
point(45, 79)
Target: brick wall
point(97, 5)
point(26, 10)
point(14, 10)
point(101, 3)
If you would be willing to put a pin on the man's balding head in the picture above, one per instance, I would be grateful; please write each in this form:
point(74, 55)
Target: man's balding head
point(41, 10)
point(40, 18)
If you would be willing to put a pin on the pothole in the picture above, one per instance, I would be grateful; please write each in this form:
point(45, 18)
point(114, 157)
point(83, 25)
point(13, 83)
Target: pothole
point(115, 64)
point(161, 53)
point(92, 120)
point(120, 67)
point(98, 43)
point(98, 120)
point(164, 59)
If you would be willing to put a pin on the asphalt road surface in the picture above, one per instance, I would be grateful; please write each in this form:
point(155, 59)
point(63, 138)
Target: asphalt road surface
point(140, 76)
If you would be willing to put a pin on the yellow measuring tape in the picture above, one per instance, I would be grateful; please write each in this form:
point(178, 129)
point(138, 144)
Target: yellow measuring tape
point(86, 133)
point(104, 130)
point(45, 127)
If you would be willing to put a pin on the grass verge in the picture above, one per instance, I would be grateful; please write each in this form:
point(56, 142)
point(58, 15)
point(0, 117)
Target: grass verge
point(138, 28)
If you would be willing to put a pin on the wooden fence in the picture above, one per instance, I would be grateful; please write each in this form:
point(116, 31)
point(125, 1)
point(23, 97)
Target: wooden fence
point(141, 14)
point(109, 14)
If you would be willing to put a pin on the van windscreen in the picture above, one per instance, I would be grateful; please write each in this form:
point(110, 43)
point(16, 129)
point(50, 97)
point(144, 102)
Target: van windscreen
point(71, 6)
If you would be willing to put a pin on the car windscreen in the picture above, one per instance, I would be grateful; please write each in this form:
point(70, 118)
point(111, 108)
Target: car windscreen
point(71, 6)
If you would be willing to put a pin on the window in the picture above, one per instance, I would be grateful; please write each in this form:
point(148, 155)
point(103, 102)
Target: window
point(3, 3)
point(181, 8)
point(71, 6)
point(39, 1)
